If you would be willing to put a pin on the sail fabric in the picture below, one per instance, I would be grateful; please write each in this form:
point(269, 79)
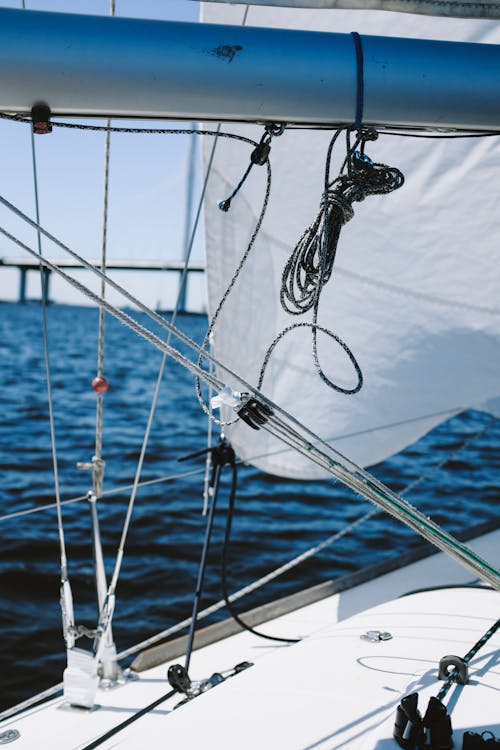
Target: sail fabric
point(450, 8)
point(414, 289)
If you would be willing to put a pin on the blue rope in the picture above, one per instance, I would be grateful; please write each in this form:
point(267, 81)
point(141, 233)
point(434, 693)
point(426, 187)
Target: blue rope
point(360, 94)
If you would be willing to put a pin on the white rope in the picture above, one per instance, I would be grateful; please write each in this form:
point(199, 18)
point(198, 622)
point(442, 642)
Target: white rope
point(98, 465)
point(207, 489)
point(44, 280)
point(252, 459)
point(31, 701)
point(187, 257)
point(106, 493)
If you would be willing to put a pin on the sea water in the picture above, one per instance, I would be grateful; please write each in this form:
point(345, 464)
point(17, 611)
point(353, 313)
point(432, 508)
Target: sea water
point(275, 519)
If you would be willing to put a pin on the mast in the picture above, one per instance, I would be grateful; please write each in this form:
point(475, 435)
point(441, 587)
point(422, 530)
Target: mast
point(118, 67)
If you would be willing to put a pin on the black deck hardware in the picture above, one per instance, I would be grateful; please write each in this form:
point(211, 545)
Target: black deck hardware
point(450, 664)
point(253, 412)
point(433, 732)
point(437, 726)
point(179, 679)
point(197, 688)
point(40, 116)
point(408, 728)
point(484, 741)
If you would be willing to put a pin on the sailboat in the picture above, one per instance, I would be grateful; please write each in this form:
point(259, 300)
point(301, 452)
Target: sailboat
point(396, 337)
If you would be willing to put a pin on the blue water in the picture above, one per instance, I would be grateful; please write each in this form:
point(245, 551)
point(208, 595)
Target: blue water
point(275, 519)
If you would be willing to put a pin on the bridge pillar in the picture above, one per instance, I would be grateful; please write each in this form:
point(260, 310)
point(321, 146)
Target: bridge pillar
point(46, 273)
point(22, 286)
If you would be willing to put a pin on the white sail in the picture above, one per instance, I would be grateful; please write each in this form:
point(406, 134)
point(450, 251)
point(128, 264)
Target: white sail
point(451, 8)
point(414, 287)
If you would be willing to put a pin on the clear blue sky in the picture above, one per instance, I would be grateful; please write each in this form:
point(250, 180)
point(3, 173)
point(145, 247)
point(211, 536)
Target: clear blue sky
point(147, 186)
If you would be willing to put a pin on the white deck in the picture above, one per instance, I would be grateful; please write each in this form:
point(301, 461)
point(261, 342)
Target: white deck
point(331, 690)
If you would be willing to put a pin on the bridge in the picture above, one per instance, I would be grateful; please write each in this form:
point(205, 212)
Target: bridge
point(27, 264)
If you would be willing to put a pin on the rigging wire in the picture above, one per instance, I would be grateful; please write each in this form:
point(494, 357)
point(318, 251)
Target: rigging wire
point(48, 375)
point(259, 582)
point(312, 551)
point(128, 518)
point(292, 432)
point(284, 426)
point(65, 599)
point(98, 464)
point(332, 438)
point(202, 353)
point(133, 300)
point(207, 489)
point(281, 429)
point(105, 493)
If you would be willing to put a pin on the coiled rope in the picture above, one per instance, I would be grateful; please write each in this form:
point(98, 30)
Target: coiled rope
point(310, 265)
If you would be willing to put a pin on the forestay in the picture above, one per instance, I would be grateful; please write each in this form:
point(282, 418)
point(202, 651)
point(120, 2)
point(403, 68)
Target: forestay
point(414, 290)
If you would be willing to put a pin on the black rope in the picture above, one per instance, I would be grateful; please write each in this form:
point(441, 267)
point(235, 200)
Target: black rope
point(138, 131)
point(310, 266)
point(315, 328)
point(221, 454)
point(434, 730)
point(130, 720)
point(382, 130)
point(225, 552)
point(259, 156)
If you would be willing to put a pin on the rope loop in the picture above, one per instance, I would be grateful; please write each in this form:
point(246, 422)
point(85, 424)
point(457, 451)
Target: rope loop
point(315, 328)
point(310, 264)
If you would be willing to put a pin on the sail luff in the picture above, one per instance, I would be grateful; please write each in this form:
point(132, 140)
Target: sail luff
point(450, 8)
point(118, 67)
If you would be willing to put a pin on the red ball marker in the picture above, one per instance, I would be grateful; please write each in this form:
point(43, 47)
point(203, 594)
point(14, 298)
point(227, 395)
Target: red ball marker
point(100, 385)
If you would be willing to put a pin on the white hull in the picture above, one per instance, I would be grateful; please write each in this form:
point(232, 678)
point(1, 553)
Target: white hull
point(332, 689)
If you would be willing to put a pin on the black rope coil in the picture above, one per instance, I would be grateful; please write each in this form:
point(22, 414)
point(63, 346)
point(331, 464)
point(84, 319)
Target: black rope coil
point(310, 265)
